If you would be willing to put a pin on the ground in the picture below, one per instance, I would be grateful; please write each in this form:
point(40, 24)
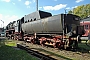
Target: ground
point(9, 52)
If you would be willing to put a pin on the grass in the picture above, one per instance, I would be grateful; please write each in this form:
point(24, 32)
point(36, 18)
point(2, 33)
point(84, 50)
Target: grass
point(82, 47)
point(10, 43)
point(7, 52)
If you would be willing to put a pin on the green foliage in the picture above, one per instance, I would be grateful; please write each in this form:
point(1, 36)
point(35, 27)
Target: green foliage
point(83, 11)
point(70, 12)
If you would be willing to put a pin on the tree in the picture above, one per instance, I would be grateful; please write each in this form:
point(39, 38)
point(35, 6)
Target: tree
point(70, 12)
point(83, 11)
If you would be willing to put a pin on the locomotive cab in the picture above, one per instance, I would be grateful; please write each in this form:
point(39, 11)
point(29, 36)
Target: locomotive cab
point(72, 25)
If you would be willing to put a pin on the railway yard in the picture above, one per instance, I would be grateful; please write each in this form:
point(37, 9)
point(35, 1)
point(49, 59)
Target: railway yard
point(41, 35)
point(57, 54)
point(50, 37)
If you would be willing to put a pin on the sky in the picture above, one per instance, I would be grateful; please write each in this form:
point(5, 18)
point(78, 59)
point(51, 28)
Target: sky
point(12, 10)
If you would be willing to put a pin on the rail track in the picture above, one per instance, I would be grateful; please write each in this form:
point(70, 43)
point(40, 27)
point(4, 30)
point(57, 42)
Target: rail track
point(48, 53)
point(35, 53)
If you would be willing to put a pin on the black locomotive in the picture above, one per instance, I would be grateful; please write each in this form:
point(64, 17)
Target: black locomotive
point(62, 30)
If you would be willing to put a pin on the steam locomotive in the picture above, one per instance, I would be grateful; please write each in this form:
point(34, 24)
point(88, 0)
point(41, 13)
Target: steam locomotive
point(59, 31)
